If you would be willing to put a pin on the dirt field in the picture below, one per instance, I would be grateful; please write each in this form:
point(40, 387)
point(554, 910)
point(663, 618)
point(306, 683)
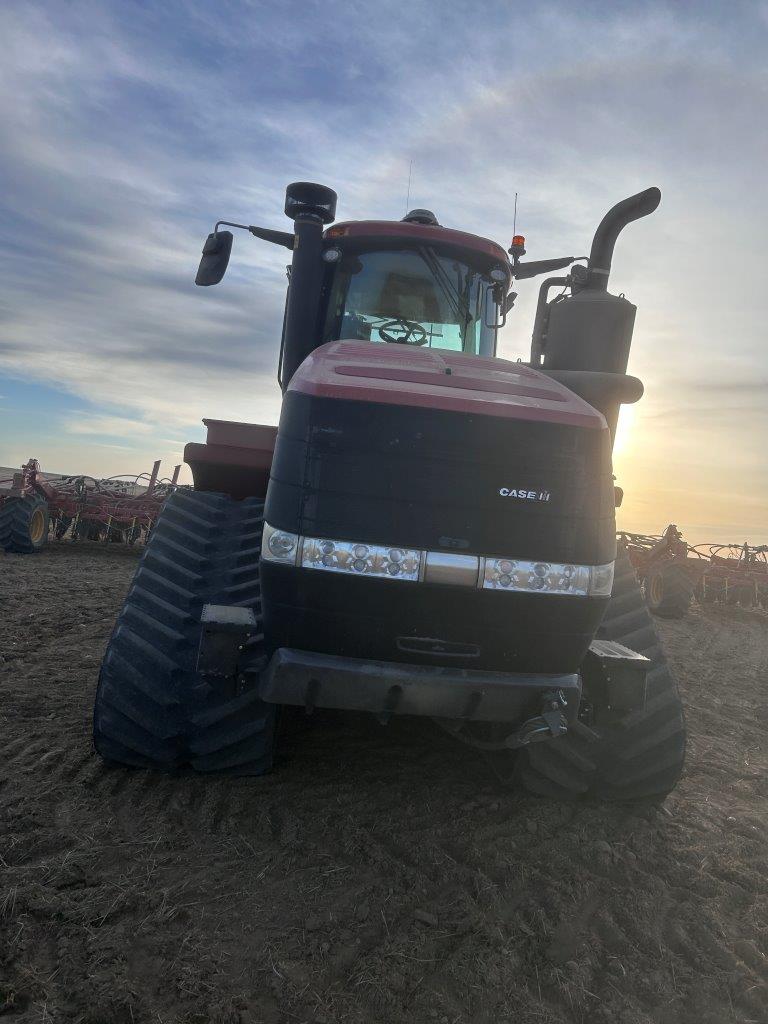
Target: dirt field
point(380, 874)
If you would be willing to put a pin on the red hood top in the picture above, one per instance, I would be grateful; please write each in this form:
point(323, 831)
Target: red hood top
point(366, 371)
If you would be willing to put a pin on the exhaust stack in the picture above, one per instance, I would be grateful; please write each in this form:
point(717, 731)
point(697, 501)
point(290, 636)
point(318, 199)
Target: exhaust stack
point(608, 230)
point(592, 329)
point(585, 338)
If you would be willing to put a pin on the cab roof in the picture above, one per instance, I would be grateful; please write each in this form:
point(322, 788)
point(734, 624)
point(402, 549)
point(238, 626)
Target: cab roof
point(425, 234)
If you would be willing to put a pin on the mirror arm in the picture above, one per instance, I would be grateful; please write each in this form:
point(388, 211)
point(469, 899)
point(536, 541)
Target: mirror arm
point(277, 237)
point(522, 271)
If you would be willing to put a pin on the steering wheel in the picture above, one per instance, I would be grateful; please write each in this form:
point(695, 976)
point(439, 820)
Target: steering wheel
point(408, 332)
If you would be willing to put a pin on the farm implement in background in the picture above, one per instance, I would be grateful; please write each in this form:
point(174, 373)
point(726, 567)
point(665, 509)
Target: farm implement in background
point(119, 508)
point(673, 572)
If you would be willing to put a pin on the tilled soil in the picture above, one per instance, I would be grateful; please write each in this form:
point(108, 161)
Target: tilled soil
point(379, 874)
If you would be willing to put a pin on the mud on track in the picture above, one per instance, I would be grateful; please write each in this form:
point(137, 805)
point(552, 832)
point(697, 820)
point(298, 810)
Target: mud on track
point(379, 875)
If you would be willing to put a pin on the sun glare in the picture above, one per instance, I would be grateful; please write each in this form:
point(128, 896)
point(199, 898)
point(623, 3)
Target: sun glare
point(624, 429)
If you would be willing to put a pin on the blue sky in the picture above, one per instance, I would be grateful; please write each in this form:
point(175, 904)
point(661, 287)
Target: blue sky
point(127, 129)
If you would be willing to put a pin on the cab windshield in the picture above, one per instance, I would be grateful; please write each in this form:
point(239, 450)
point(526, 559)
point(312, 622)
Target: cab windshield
point(412, 296)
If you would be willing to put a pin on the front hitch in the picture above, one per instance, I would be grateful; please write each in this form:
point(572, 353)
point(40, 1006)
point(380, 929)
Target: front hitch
point(548, 724)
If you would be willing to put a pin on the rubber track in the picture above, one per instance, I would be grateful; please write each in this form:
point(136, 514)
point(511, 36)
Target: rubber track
point(15, 516)
point(641, 757)
point(152, 708)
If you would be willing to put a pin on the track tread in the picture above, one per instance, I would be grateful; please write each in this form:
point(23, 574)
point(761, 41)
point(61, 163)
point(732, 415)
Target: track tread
point(162, 695)
point(198, 563)
point(149, 578)
point(152, 708)
point(154, 557)
point(156, 661)
point(160, 606)
point(145, 621)
point(638, 758)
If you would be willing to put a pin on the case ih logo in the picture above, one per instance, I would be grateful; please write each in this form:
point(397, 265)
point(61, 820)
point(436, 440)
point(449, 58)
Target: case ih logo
point(521, 492)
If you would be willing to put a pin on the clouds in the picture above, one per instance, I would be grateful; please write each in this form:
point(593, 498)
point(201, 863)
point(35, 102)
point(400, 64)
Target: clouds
point(126, 131)
point(109, 426)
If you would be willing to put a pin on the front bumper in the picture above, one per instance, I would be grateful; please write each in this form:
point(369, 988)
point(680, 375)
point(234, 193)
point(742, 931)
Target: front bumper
point(312, 680)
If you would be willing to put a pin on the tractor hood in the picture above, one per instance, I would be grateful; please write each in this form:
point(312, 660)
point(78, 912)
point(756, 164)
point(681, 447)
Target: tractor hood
point(440, 452)
point(363, 371)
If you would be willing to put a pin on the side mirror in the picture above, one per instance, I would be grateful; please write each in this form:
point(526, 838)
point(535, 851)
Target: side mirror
point(218, 246)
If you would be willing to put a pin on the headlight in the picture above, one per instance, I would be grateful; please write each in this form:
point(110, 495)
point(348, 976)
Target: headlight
point(601, 580)
point(361, 559)
point(279, 545)
point(358, 558)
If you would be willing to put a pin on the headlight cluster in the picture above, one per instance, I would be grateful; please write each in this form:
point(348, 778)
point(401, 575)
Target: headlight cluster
point(541, 577)
point(361, 559)
point(414, 566)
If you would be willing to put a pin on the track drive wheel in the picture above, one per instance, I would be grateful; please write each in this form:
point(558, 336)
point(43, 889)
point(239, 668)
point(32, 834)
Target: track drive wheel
point(153, 709)
point(668, 592)
point(639, 757)
point(24, 524)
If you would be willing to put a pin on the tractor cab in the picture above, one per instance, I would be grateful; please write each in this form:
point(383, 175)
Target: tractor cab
point(409, 282)
point(413, 282)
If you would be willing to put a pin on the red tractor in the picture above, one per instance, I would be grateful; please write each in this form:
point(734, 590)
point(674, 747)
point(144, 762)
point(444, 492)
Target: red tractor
point(430, 530)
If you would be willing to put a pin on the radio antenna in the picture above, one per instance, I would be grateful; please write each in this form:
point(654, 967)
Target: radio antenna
point(408, 197)
point(514, 220)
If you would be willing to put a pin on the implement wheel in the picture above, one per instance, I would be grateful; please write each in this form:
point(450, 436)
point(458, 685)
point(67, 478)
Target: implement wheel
point(668, 592)
point(711, 589)
point(24, 524)
point(742, 594)
point(637, 758)
point(153, 708)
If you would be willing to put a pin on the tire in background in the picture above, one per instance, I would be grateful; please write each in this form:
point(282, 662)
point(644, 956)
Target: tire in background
point(742, 594)
point(710, 589)
point(24, 524)
point(668, 592)
point(638, 758)
point(153, 709)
